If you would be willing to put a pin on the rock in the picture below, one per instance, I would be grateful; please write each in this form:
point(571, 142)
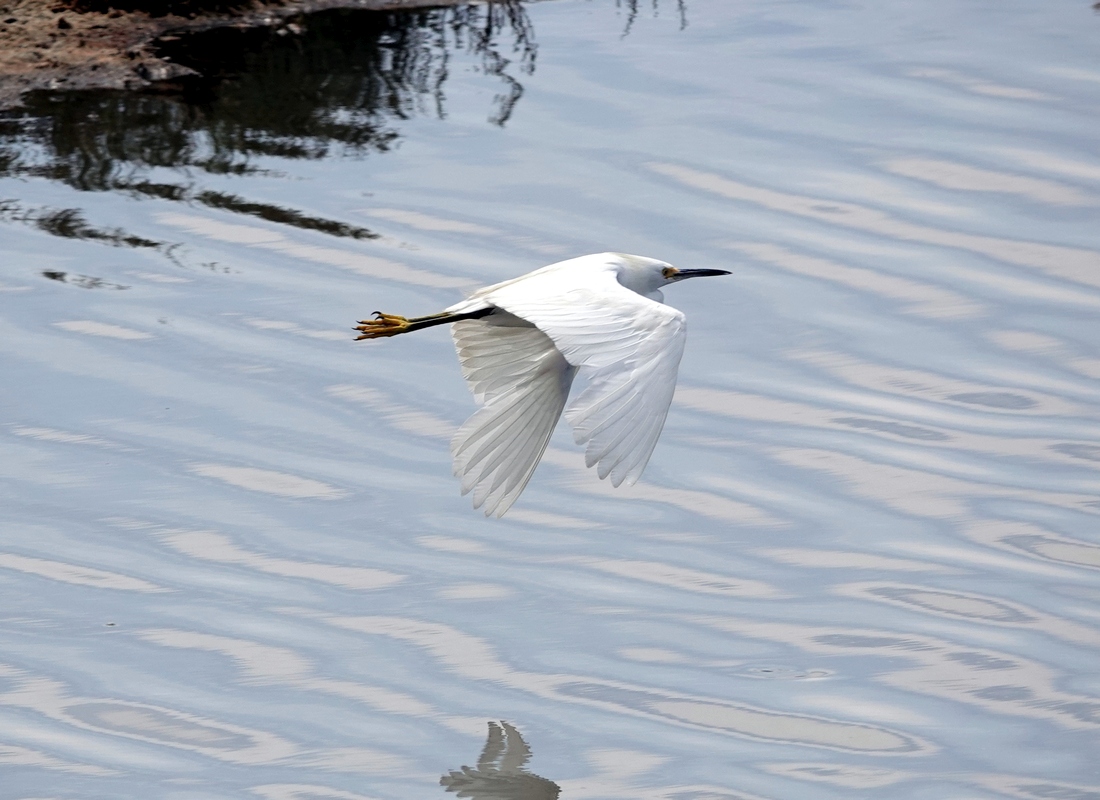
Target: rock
point(163, 71)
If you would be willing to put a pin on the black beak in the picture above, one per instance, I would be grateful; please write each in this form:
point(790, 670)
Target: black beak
point(698, 273)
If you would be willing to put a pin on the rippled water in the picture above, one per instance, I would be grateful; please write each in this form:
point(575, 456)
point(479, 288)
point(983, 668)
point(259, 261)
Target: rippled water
point(863, 561)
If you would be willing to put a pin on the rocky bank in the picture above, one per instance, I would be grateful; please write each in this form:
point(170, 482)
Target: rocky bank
point(111, 44)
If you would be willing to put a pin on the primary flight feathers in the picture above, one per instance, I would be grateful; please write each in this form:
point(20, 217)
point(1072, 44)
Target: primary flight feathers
point(520, 344)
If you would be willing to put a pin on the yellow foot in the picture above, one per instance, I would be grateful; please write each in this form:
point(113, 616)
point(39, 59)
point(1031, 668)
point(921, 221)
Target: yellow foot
point(382, 325)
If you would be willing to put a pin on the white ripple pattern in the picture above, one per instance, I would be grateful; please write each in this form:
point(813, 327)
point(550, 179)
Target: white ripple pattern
point(863, 561)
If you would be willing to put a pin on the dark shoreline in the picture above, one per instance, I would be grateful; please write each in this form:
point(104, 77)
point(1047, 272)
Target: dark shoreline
point(55, 45)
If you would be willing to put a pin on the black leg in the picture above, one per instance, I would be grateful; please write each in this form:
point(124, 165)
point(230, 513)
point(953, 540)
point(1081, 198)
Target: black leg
point(384, 325)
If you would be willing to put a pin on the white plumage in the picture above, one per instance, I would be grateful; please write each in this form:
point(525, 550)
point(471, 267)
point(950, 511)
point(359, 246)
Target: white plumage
point(520, 344)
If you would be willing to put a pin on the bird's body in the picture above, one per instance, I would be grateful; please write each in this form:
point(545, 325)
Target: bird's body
point(521, 343)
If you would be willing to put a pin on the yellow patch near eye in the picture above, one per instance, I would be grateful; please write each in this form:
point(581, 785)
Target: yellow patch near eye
point(668, 272)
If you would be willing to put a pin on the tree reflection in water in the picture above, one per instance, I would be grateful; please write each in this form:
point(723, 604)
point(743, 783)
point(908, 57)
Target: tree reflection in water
point(631, 9)
point(335, 82)
point(500, 774)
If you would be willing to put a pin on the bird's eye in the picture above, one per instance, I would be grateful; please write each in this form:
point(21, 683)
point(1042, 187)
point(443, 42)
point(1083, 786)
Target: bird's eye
point(668, 272)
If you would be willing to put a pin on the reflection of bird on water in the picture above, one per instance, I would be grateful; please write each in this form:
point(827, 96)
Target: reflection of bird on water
point(500, 774)
point(521, 342)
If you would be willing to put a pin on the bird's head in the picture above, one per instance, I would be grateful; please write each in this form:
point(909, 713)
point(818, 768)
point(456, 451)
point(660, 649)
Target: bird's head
point(671, 274)
point(647, 276)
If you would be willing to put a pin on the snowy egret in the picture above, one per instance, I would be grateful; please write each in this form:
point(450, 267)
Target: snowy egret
point(520, 343)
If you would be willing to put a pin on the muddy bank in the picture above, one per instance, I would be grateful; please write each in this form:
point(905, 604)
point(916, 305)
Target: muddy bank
point(97, 44)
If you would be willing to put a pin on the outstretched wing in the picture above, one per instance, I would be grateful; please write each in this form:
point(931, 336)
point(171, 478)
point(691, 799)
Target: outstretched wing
point(523, 381)
point(631, 347)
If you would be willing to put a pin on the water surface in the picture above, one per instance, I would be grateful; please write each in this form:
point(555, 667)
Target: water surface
point(863, 561)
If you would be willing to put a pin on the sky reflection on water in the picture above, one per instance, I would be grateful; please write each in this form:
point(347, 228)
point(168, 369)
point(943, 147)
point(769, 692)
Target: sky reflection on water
point(863, 561)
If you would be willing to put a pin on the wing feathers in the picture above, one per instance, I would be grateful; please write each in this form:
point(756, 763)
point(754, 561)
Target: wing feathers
point(499, 432)
point(520, 362)
point(629, 345)
point(523, 381)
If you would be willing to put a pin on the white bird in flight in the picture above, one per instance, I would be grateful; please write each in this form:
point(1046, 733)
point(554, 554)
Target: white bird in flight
point(520, 344)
